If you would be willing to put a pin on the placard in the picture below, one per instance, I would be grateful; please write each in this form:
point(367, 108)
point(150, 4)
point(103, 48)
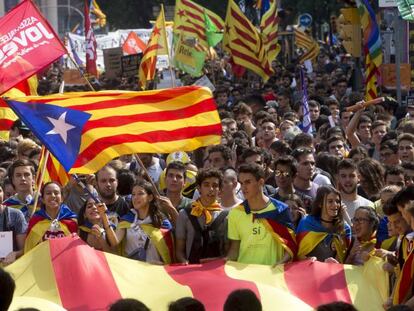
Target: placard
point(130, 64)
point(6, 243)
point(112, 60)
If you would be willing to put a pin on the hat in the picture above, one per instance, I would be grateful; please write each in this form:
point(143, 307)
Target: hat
point(20, 125)
point(179, 156)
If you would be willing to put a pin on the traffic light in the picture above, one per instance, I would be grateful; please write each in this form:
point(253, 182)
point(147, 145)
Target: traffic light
point(349, 31)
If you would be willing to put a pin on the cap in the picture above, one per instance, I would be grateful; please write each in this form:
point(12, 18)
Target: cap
point(20, 125)
point(179, 156)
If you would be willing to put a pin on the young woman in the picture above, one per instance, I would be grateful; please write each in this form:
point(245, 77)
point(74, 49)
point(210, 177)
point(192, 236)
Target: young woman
point(296, 207)
point(144, 233)
point(365, 224)
point(324, 234)
point(53, 220)
point(94, 226)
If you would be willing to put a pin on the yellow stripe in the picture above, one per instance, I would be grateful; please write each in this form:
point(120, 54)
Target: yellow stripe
point(137, 128)
point(360, 280)
point(128, 148)
point(309, 242)
point(150, 284)
point(33, 275)
point(270, 282)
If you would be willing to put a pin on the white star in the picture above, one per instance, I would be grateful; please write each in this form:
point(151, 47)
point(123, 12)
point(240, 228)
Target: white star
point(60, 127)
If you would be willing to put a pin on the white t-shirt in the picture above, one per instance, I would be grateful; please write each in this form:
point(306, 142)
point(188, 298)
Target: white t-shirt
point(351, 207)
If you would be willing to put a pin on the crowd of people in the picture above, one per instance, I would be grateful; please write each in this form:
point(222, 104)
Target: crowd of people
point(268, 194)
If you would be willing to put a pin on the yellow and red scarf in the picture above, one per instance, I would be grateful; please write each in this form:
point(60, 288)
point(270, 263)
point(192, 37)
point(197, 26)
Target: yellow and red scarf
point(198, 209)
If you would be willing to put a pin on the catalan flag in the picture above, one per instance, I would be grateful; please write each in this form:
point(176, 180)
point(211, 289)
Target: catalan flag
point(372, 47)
point(96, 15)
point(66, 271)
point(86, 130)
point(189, 21)
point(54, 170)
point(269, 26)
point(308, 44)
point(244, 43)
point(157, 45)
point(7, 116)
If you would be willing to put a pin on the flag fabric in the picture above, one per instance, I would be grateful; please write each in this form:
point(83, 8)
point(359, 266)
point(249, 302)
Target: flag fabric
point(269, 26)
point(188, 58)
point(27, 45)
point(372, 47)
point(213, 34)
point(403, 285)
point(96, 15)
point(189, 21)
point(244, 43)
point(133, 44)
point(85, 130)
point(405, 7)
point(306, 42)
point(63, 271)
point(306, 125)
point(71, 48)
point(54, 170)
point(157, 45)
point(90, 43)
point(7, 116)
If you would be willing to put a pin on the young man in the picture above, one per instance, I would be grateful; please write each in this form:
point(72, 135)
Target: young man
point(306, 169)
point(175, 176)
point(336, 146)
point(260, 230)
point(21, 174)
point(268, 128)
point(228, 193)
point(394, 175)
point(200, 229)
point(408, 173)
point(219, 156)
point(389, 152)
point(263, 158)
point(347, 184)
point(406, 147)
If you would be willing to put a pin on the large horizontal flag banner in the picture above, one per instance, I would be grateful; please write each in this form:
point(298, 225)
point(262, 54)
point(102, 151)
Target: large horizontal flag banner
point(86, 130)
point(69, 273)
point(27, 44)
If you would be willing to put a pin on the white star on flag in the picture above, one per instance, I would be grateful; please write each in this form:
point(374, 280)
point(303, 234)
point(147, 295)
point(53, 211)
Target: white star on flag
point(60, 127)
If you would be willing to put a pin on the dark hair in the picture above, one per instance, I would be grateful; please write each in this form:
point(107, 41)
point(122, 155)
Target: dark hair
point(126, 179)
point(254, 169)
point(379, 123)
point(372, 215)
point(319, 201)
point(393, 170)
point(298, 152)
point(390, 144)
point(390, 209)
point(373, 172)
point(302, 140)
point(336, 130)
point(19, 163)
point(337, 306)
point(186, 304)
point(176, 165)
point(242, 300)
point(327, 162)
point(406, 136)
point(251, 152)
point(281, 147)
point(7, 287)
point(42, 191)
point(358, 150)
point(364, 119)
point(155, 214)
point(224, 150)
point(403, 196)
point(333, 138)
point(209, 173)
point(408, 166)
point(128, 304)
point(288, 161)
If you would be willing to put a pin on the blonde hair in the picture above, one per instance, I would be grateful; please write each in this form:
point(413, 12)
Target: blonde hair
point(26, 145)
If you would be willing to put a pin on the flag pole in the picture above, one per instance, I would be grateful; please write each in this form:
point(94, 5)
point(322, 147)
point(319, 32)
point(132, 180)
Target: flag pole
point(39, 185)
point(147, 174)
point(166, 46)
point(80, 71)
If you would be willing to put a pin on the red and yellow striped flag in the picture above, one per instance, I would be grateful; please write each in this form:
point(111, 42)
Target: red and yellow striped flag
point(54, 170)
point(157, 45)
point(7, 116)
point(306, 42)
point(244, 43)
point(122, 122)
point(64, 271)
point(269, 27)
point(189, 21)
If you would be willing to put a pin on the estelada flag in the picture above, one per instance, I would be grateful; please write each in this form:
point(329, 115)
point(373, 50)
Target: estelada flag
point(69, 273)
point(27, 44)
point(86, 130)
point(133, 44)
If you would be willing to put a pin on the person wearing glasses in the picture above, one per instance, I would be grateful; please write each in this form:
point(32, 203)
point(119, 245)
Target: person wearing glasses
point(323, 235)
point(365, 225)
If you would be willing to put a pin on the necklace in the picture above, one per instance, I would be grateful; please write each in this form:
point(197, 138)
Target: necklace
point(327, 221)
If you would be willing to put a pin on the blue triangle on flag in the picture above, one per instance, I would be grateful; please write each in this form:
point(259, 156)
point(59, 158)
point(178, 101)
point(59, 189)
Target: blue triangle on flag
point(58, 128)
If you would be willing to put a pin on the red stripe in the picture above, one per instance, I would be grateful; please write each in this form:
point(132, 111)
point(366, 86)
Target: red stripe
point(317, 283)
point(253, 61)
point(284, 233)
point(5, 124)
point(83, 276)
point(186, 112)
point(193, 6)
point(150, 137)
point(406, 278)
point(209, 282)
point(192, 30)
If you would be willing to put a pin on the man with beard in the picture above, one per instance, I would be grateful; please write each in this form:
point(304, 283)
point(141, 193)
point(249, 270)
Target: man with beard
point(347, 185)
point(106, 185)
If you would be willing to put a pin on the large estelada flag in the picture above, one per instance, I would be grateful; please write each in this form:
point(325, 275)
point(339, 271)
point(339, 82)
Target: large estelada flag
point(71, 274)
point(86, 130)
point(27, 44)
